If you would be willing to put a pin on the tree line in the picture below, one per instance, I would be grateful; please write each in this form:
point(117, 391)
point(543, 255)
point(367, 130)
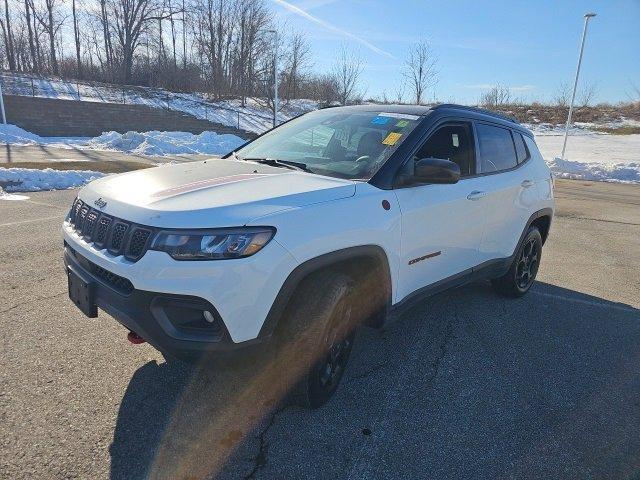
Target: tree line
point(221, 47)
point(224, 47)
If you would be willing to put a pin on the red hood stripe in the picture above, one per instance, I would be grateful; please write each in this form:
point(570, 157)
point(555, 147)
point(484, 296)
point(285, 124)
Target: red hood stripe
point(199, 185)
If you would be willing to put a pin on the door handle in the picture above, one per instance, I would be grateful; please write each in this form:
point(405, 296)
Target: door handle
point(527, 183)
point(476, 195)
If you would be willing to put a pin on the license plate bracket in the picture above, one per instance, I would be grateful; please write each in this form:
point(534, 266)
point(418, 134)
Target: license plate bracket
point(82, 293)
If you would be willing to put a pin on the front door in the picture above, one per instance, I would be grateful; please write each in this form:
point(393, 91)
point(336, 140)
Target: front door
point(442, 225)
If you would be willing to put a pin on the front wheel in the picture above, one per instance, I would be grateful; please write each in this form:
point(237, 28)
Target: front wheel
point(522, 273)
point(316, 341)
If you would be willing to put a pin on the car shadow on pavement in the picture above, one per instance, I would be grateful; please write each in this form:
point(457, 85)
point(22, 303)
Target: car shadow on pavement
point(540, 362)
point(145, 410)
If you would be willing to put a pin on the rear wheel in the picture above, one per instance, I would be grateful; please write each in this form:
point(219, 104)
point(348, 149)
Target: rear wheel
point(317, 336)
point(522, 273)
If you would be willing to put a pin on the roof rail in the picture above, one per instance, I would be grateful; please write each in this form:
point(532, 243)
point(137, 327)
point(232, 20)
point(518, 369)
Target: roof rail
point(476, 109)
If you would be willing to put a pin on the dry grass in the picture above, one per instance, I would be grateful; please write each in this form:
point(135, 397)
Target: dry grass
point(539, 113)
point(625, 130)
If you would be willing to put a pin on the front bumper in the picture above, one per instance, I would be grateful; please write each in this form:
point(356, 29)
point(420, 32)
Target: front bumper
point(239, 293)
point(146, 313)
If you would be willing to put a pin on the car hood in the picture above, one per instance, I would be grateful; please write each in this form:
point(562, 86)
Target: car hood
point(213, 193)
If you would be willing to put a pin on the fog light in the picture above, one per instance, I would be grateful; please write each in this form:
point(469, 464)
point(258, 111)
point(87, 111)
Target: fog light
point(208, 316)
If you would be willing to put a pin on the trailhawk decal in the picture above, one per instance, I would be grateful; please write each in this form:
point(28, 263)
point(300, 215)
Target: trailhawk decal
point(425, 257)
point(201, 184)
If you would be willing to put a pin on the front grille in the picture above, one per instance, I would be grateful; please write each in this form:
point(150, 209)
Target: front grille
point(116, 282)
point(138, 242)
point(100, 234)
point(89, 223)
point(118, 236)
point(81, 217)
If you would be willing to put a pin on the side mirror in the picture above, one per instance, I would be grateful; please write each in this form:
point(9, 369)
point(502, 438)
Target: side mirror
point(432, 170)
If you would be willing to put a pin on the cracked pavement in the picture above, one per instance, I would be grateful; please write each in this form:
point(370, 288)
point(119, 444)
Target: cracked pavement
point(464, 385)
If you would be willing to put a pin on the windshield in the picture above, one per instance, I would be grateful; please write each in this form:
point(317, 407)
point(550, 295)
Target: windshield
point(331, 142)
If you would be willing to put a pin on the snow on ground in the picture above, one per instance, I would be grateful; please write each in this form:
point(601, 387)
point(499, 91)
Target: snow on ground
point(11, 196)
point(166, 143)
point(33, 180)
point(590, 155)
point(254, 116)
point(148, 143)
point(13, 135)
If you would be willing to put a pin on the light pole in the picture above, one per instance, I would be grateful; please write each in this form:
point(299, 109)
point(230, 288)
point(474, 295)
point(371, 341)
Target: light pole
point(587, 16)
point(4, 117)
point(275, 75)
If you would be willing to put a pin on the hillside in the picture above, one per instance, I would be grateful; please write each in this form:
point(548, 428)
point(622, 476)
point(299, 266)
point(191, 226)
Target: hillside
point(254, 116)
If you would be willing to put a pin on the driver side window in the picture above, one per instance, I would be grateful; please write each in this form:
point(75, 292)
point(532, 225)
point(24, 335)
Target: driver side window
point(453, 142)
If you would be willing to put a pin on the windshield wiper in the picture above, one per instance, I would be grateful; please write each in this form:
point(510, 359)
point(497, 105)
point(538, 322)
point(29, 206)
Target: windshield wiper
point(281, 163)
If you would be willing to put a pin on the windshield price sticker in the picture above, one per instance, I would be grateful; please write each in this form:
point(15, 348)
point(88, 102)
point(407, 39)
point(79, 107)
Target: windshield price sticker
point(392, 138)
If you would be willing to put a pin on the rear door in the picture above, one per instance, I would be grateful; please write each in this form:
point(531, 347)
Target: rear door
point(441, 227)
point(508, 189)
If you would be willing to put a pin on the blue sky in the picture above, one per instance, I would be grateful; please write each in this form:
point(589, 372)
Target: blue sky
point(530, 46)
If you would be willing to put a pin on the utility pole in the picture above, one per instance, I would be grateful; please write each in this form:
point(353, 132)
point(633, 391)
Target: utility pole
point(587, 17)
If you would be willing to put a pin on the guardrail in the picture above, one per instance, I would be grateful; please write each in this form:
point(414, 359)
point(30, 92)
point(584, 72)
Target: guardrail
point(33, 85)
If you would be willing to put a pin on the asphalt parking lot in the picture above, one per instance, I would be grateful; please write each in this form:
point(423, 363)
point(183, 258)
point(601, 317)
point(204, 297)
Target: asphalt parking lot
point(465, 385)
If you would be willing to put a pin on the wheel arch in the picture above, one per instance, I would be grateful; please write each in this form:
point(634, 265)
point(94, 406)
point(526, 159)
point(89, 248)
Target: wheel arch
point(540, 219)
point(358, 262)
point(543, 223)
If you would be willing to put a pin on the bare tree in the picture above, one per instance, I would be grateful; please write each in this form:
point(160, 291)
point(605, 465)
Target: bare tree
point(635, 93)
point(131, 19)
point(7, 33)
point(28, 9)
point(496, 96)
point(296, 63)
point(587, 94)
point(346, 74)
point(76, 38)
point(51, 23)
point(420, 69)
point(562, 96)
point(400, 92)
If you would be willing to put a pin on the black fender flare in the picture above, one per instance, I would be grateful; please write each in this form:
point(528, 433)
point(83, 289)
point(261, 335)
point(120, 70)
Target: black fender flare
point(316, 264)
point(545, 212)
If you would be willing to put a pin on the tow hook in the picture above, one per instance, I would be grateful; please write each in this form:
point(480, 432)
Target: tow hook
point(134, 338)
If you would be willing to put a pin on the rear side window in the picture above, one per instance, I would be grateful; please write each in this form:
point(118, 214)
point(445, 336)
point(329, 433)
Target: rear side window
point(521, 148)
point(497, 151)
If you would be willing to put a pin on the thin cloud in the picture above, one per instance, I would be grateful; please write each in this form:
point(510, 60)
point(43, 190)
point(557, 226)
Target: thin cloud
point(513, 88)
point(302, 13)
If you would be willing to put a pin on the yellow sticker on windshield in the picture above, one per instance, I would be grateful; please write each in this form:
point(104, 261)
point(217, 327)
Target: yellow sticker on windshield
point(392, 138)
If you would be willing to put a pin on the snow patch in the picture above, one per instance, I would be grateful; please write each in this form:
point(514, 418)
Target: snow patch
point(591, 155)
point(147, 143)
point(166, 143)
point(10, 196)
point(14, 135)
point(33, 180)
point(618, 172)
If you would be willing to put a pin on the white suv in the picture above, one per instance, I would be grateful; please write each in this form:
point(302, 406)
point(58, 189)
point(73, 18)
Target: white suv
point(333, 219)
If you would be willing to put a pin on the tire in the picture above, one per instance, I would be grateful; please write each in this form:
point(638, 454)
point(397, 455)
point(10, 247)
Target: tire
point(522, 272)
point(316, 339)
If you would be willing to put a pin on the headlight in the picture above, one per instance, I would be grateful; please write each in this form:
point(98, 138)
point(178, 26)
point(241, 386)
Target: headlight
point(219, 244)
